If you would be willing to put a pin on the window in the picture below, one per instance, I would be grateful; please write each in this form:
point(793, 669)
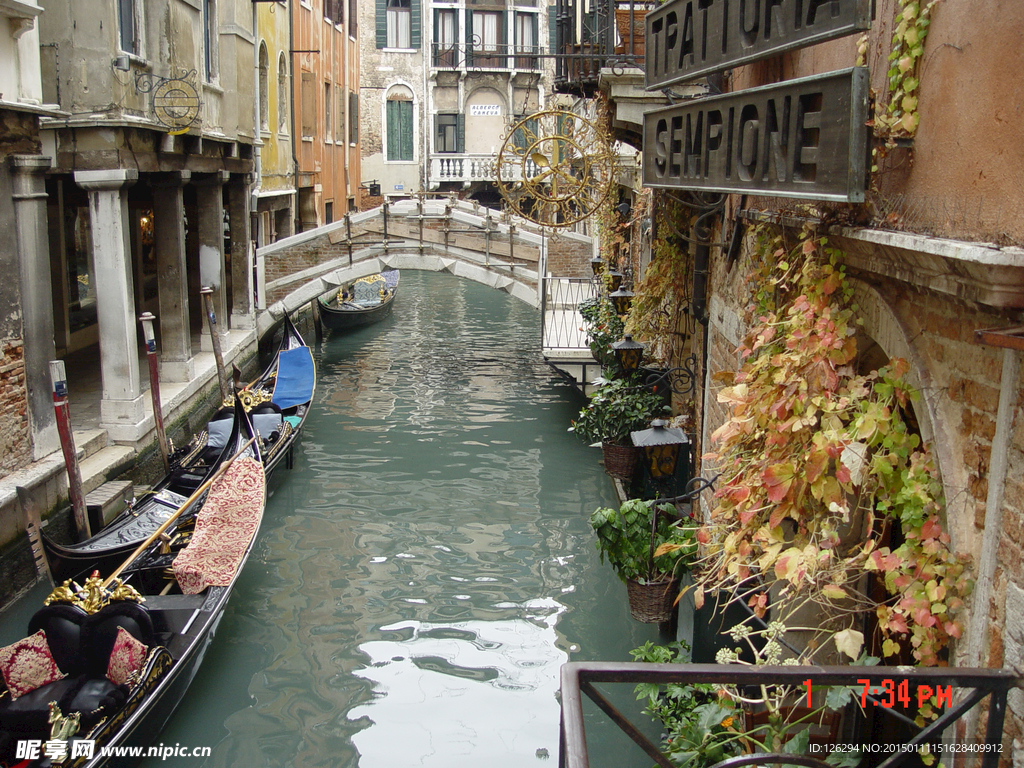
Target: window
point(488, 38)
point(282, 94)
point(353, 18)
point(327, 112)
point(328, 212)
point(339, 124)
point(449, 133)
point(399, 127)
point(526, 41)
point(308, 96)
point(334, 11)
point(399, 23)
point(486, 31)
point(128, 27)
point(353, 117)
point(446, 37)
point(210, 39)
point(264, 94)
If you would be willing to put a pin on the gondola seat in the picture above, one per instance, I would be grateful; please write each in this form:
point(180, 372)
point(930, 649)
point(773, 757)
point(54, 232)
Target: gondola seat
point(81, 645)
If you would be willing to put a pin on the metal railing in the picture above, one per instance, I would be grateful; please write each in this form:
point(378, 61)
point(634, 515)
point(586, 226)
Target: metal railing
point(486, 56)
point(561, 321)
point(961, 689)
point(596, 35)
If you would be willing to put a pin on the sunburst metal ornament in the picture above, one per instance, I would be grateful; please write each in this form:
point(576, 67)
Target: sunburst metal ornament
point(175, 100)
point(554, 168)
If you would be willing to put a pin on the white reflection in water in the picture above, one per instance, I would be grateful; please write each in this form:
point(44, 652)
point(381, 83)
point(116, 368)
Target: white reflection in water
point(466, 693)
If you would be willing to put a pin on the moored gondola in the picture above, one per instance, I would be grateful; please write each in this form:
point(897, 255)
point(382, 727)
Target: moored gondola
point(367, 300)
point(106, 662)
point(278, 403)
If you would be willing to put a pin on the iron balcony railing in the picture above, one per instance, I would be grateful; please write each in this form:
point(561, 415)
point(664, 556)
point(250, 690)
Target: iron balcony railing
point(504, 56)
point(957, 691)
point(591, 35)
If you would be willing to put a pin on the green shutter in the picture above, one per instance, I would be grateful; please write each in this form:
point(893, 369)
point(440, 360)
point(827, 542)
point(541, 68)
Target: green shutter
point(406, 120)
point(552, 29)
point(469, 37)
point(382, 23)
point(414, 24)
point(393, 129)
point(460, 132)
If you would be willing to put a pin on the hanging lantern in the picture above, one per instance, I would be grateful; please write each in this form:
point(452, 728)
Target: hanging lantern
point(597, 265)
point(628, 354)
point(616, 280)
point(622, 299)
point(660, 445)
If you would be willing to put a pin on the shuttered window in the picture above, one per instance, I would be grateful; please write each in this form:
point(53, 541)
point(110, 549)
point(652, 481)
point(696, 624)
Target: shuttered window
point(400, 138)
point(398, 23)
point(450, 132)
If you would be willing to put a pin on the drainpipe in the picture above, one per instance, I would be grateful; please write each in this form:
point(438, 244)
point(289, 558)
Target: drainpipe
point(291, 88)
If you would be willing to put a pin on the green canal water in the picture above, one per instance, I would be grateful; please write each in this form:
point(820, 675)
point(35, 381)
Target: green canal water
point(426, 567)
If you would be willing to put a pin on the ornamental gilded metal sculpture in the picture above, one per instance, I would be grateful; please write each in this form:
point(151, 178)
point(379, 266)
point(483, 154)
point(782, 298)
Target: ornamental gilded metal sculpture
point(554, 168)
point(175, 100)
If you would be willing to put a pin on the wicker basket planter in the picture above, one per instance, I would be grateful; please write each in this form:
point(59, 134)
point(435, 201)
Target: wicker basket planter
point(620, 460)
point(654, 602)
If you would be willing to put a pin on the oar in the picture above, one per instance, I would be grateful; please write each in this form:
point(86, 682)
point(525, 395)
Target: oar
point(167, 523)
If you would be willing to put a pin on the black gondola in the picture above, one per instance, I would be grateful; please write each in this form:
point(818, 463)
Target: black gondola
point(278, 402)
point(367, 300)
point(128, 651)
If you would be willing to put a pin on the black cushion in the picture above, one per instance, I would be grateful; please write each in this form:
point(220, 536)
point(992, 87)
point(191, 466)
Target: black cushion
point(63, 624)
point(30, 712)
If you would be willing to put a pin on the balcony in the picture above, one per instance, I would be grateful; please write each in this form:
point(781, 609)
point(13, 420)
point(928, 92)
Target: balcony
point(468, 168)
point(501, 56)
point(589, 38)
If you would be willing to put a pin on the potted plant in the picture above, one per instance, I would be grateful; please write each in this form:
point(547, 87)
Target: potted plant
point(603, 327)
point(617, 408)
point(649, 550)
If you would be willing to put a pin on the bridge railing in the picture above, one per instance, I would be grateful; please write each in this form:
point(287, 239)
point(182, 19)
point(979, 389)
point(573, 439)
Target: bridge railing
point(561, 321)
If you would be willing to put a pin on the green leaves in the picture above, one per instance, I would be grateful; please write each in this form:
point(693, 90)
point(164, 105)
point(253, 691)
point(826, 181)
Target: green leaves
point(624, 538)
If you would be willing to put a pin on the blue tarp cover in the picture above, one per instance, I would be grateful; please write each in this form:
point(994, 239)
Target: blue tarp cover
point(295, 377)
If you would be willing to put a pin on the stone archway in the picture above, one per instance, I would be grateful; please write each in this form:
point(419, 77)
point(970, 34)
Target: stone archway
point(888, 331)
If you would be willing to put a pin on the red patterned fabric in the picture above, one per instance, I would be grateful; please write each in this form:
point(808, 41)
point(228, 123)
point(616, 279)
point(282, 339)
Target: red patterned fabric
point(28, 664)
point(127, 657)
point(224, 529)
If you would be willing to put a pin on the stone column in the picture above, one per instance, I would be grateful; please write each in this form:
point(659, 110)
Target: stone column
point(210, 202)
point(33, 249)
point(176, 360)
point(122, 409)
point(242, 299)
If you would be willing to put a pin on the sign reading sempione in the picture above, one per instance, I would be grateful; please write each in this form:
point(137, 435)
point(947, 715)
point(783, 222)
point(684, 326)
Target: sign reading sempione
point(690, 38)
point(804, 138)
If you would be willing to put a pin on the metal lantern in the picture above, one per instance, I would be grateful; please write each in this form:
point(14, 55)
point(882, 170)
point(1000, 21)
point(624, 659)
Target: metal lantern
point(628, 354)
point(616, 280)
point(660, 445)
point(597, 265)
point(622, 299)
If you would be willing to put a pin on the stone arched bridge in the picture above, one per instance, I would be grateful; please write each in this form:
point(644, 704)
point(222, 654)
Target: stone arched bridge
point(549, 271)
point(477, 243)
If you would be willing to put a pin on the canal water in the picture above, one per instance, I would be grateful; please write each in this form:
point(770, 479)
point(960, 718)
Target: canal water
point(426, 567)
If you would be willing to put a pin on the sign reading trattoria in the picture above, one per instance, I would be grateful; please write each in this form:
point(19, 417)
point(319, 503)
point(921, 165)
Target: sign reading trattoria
point(690, 38)
point(804, 138)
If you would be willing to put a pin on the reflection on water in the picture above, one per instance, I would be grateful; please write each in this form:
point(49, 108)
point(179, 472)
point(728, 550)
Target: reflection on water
point(427, 566)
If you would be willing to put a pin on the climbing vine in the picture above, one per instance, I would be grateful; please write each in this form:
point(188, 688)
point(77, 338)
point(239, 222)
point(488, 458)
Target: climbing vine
point(824, 480)
point(898, 117)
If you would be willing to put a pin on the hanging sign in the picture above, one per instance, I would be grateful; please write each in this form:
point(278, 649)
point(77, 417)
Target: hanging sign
point(485, 110)
point(803, 138)
point(687, 39)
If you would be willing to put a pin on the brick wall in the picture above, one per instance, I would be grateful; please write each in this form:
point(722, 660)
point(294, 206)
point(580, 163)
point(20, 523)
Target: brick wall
point(15, 447)
point(569, 256)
